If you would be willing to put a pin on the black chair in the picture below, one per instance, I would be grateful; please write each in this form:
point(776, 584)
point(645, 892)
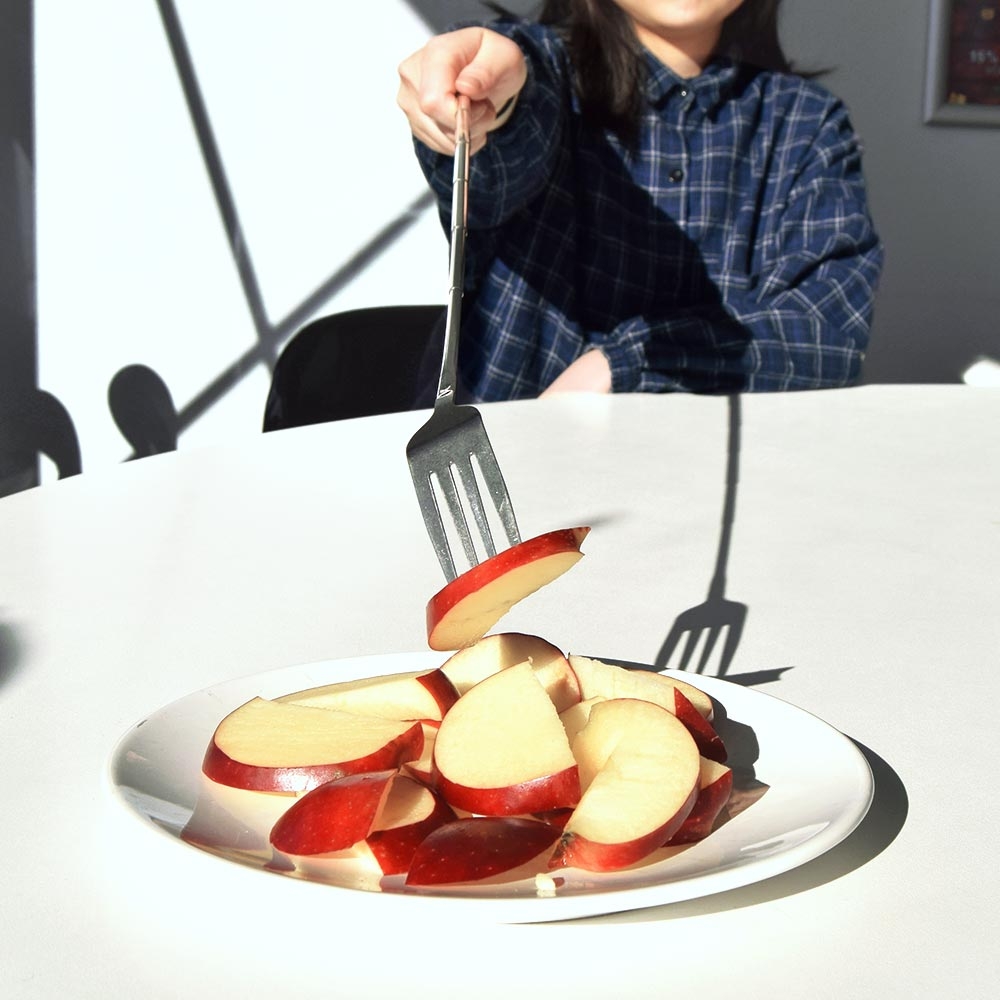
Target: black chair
point(356, 364)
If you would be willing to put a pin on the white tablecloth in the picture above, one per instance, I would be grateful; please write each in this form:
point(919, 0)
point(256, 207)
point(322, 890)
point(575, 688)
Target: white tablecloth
point(865, 545)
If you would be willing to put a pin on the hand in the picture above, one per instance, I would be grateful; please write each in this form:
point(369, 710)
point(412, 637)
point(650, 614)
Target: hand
point(589, 373)
point(485, 66)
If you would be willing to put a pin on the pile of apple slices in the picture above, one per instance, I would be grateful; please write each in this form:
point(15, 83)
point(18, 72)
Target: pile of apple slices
point(509, 759)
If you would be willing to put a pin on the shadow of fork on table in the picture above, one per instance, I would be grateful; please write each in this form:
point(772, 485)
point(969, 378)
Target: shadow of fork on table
point(717, 618)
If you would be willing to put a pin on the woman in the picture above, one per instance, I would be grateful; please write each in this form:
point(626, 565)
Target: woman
point(656, 201)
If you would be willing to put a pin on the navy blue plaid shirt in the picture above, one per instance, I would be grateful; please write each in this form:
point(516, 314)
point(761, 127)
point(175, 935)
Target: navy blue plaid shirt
point(730, 250)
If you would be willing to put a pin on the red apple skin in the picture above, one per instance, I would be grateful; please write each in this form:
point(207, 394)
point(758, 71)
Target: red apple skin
point(394, 849)
point(555, 817)
point(712, 799)
point(576, 851)
point(220, 767)
point(333, 816)
point(550, 791)
point(441, 688)
point(477, 577)
point(478, 847)
point(708, 741)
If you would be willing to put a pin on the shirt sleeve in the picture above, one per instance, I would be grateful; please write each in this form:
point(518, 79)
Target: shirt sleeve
point(803, 323)
point(517, 160)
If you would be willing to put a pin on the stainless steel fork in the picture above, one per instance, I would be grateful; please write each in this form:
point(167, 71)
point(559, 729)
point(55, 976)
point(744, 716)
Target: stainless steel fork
point(446, 453)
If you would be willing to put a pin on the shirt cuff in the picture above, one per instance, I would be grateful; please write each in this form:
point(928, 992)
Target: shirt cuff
point(625, 358)
point(521, 126)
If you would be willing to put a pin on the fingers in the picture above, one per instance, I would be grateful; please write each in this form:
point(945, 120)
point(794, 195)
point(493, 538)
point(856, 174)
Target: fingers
point(481, 64)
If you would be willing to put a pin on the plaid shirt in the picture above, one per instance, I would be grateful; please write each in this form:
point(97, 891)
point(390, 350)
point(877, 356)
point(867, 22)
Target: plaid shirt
point(730, 250)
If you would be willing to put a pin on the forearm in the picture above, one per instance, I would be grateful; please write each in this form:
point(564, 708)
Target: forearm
point(788, 342)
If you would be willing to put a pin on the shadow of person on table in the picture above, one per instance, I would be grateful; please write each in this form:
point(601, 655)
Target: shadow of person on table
point(706, 623)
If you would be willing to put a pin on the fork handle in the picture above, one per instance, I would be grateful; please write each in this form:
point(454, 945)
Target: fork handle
point(456, 262)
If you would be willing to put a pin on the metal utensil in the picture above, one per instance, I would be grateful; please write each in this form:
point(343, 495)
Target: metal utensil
point(446, 453)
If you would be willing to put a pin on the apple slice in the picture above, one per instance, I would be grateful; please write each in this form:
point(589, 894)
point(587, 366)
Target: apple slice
point(410, 813)
point(709, 742)
point(554, 817)
point(576, 716)
point(471, 604)
point(479, 847)
point(333, 816)
point(715, 787)
point(596, 677)
point(639, 768)
point(415, 695)
point(422, 767)
point(269, 746)
point(492, 653)
point(690, 704)
point(501, 749)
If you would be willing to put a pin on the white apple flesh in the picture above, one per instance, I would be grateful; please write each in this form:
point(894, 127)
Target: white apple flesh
point(609, 680)
point(576, 716)
point(415, 695)
point(501, 749)
point(493, 653)
point(471, 604)
point(269, 746)
point(639, 770)
point(690, 704)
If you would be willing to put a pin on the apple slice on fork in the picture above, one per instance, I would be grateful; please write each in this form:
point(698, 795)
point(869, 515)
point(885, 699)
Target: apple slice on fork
point(471, 604)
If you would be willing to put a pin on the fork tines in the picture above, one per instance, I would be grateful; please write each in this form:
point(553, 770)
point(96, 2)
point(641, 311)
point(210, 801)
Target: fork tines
point(450, 472)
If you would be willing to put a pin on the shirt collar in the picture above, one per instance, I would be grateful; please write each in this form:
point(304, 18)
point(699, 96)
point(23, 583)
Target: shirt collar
point(708, 89)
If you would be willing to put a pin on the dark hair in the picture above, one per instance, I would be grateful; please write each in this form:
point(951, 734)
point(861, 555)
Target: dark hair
point(605, 53)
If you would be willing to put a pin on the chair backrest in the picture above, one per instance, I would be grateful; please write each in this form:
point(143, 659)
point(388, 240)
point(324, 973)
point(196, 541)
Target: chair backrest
point(355, 364)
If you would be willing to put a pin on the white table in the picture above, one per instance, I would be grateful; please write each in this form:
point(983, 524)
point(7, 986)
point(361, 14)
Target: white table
point(865, 544)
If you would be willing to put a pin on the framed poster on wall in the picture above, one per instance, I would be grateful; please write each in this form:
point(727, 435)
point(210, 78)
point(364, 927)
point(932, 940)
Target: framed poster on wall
point(963, 63)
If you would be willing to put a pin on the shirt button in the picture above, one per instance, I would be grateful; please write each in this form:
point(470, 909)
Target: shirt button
point(676, 175)
point(684, 91)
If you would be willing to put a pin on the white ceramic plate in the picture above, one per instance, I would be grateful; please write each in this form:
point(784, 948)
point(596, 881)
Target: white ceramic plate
point(802, 788)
